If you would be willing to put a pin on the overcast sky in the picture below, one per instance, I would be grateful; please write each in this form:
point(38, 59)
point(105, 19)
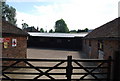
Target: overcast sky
point(78, 14)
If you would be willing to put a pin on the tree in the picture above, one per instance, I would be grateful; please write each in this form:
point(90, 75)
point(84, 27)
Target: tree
point(86, 29)
point(24, 25)
point(45, 31)
point(37, 28)
point(79, 31)
point(41, 30)
point(73, 31)
point(8, 13)
point(61, 26)
point(51, 31)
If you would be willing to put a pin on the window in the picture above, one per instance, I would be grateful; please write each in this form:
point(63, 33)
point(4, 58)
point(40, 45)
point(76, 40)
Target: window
point(100, 45)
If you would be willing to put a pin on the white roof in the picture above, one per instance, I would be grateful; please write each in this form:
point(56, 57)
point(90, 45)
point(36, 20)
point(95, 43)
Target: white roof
point(57, 34)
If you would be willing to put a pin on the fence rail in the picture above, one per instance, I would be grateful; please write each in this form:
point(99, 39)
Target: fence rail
point(65, 70)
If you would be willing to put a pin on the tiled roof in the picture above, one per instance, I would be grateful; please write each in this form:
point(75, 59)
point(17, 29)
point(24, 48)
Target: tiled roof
point(8, 28)
point(30, 29)
point(108, 30)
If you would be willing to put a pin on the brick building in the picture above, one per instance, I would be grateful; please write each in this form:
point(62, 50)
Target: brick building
point(103, 41)
point(14, 41)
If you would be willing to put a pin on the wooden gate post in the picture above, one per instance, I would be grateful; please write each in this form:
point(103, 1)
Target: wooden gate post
point(109, 68)
point(69, 68)
point(116, 66)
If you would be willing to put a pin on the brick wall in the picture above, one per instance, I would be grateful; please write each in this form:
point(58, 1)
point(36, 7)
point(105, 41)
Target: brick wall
point(19, 51)
point(16, 52)
point(94, 47)
point(110, 46)
point(86, 46)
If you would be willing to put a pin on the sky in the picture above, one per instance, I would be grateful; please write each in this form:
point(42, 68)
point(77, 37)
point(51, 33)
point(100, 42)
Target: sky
point(78, 14)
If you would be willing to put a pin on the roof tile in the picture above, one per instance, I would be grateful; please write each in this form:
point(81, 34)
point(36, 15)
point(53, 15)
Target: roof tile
point(12, 29)
point(108, 30)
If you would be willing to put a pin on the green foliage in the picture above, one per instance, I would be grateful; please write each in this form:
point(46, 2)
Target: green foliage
point(37, 28)
point(8, 13)
point(85, 30)
point(24, 25)
point(41, 30)
point(73, 31)
point(61, 26)
point(45, 31)
point(51, 31)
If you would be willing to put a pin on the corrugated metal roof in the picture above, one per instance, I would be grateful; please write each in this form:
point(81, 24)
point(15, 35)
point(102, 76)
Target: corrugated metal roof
point(71, 35)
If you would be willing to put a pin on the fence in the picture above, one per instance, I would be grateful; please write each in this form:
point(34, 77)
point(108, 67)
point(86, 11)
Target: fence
point(57, 69)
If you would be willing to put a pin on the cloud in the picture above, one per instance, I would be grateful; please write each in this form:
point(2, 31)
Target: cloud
point(78, 14)
point(48, 1)
point(33, 20)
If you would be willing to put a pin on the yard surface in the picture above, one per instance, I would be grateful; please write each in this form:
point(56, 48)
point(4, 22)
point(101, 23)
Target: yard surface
point(54, 53)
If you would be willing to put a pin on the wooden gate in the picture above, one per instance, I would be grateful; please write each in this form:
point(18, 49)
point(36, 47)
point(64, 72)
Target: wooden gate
point(56, 69)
